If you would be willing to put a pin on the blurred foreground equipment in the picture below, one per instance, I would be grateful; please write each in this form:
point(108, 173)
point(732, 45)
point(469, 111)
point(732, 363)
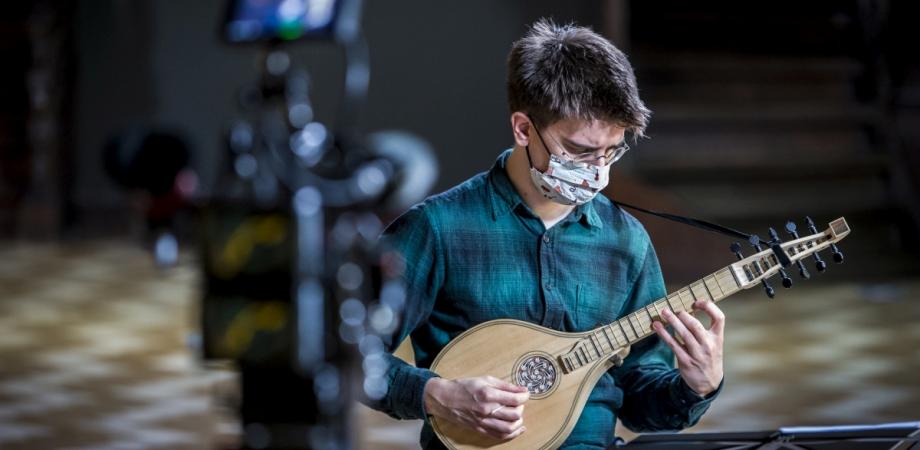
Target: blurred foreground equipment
point(296, 289)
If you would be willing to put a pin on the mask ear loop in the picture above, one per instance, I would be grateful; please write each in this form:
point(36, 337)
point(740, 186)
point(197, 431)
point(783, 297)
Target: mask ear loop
point(529, 161)
point(527, 147)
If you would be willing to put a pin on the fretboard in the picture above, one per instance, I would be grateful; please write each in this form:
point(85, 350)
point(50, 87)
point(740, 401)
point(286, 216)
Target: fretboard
point(604, 341)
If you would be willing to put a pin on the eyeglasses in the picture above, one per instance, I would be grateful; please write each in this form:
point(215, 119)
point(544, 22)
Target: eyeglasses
point(610, 156)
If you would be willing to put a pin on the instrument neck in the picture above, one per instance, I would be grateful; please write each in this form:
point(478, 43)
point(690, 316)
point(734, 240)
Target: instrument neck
point(603, 342)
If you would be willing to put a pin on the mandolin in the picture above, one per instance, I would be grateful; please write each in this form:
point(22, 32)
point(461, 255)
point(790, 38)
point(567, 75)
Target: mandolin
point(560, 369)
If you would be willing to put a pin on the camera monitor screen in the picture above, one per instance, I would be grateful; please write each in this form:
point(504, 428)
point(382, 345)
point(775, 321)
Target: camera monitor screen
point(284, 20)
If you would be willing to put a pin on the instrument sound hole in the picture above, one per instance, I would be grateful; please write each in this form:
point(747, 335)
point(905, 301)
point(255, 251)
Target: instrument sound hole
point(537, 374)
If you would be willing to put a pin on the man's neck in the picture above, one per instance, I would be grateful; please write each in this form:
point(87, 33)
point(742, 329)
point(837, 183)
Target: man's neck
point(547, 210)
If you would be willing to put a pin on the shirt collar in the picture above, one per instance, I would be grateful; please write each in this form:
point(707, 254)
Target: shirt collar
point(505, 198)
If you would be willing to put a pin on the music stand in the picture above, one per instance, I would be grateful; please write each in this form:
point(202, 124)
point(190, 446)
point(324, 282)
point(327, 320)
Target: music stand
point(889, 436)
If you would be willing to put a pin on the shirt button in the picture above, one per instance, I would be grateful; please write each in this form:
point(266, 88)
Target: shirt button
point(546, 239)
point(549, 287)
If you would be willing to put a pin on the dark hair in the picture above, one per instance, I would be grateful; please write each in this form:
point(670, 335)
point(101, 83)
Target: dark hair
point(557, 72)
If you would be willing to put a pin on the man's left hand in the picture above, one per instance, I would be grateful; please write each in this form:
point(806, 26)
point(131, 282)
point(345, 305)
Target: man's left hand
point(699, 355)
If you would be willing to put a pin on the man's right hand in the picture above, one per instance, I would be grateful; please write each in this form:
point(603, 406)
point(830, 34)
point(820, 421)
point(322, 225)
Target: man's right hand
point(485, 404)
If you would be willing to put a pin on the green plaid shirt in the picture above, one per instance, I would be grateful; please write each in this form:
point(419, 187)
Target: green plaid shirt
point(477, 252)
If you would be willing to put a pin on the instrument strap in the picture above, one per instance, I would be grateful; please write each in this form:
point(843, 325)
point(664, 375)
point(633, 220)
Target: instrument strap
point(708, 226)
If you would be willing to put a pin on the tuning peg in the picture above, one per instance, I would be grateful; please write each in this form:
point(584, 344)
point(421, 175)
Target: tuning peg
point(787, 282)
point(775, 240)
point(736, 249)
point(819, 263)
point(803, 272)
point(773, 236)
point(838, 255)
point(768, 289)
point(755, 242)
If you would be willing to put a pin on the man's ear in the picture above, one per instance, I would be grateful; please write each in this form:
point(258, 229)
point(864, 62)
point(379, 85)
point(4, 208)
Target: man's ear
point(521, 127)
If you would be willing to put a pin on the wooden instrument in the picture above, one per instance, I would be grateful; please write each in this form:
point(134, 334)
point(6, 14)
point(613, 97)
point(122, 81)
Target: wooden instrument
point(560, 369)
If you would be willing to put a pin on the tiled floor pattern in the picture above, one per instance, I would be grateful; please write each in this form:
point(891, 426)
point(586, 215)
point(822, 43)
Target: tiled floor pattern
point(94, 355)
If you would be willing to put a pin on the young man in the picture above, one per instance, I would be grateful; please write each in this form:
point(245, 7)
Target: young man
point(531, 240)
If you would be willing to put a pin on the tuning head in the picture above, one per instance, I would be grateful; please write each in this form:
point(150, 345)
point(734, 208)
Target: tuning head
point(757, 268)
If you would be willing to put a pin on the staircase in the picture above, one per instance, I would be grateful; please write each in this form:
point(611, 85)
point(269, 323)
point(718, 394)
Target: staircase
point(762, 117)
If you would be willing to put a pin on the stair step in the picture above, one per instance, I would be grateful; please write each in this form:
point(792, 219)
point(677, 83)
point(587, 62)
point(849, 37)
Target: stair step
point(815, 28)
point(784, 199)
point(698, 67)
point(706, 156)
point(746, 92)
point(788, 115)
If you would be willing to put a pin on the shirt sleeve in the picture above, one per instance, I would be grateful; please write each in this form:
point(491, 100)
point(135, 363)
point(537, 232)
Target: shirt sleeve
point(655, 397)
point(414, 237)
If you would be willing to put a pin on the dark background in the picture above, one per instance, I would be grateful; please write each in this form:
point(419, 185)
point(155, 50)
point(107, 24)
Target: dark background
point(762, 114)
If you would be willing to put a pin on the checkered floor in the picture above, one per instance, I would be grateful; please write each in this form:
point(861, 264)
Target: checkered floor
point(94, 354)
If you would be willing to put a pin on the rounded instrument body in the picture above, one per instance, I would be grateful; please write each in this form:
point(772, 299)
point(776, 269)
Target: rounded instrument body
point(524, 354)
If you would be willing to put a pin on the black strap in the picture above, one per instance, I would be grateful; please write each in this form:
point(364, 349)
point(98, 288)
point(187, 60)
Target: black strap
point(708, 226)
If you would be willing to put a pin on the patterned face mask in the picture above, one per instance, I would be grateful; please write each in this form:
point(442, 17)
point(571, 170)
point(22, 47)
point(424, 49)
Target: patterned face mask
point(568, 182)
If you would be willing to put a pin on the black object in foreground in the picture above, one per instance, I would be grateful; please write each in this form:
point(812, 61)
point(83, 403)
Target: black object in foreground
point(900, 435)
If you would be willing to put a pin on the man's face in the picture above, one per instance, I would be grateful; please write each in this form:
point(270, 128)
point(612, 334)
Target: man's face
point(576, 139)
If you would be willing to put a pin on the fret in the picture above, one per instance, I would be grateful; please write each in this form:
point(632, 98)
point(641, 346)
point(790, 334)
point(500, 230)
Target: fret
point(730, 276)
point(613, 332)
point(651, 318)
point(623, 330)
point(711, 287)
point(600, 343)
point(708, 292)
point(641, 328)
point(596, 345)
point(691, 297)
point(635, 316)
point(635, 333)
point(683, 293)
point(716, 281)
point(695, 296)
point(720, 278)
point(657, 311)
point(614, 343)
point(584, 354)
point(732, 280)
point(671, 305)
point(727, 281)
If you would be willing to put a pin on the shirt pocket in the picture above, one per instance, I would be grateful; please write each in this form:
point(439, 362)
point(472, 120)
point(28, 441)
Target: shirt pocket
point(585, 314)
point(593, 309)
